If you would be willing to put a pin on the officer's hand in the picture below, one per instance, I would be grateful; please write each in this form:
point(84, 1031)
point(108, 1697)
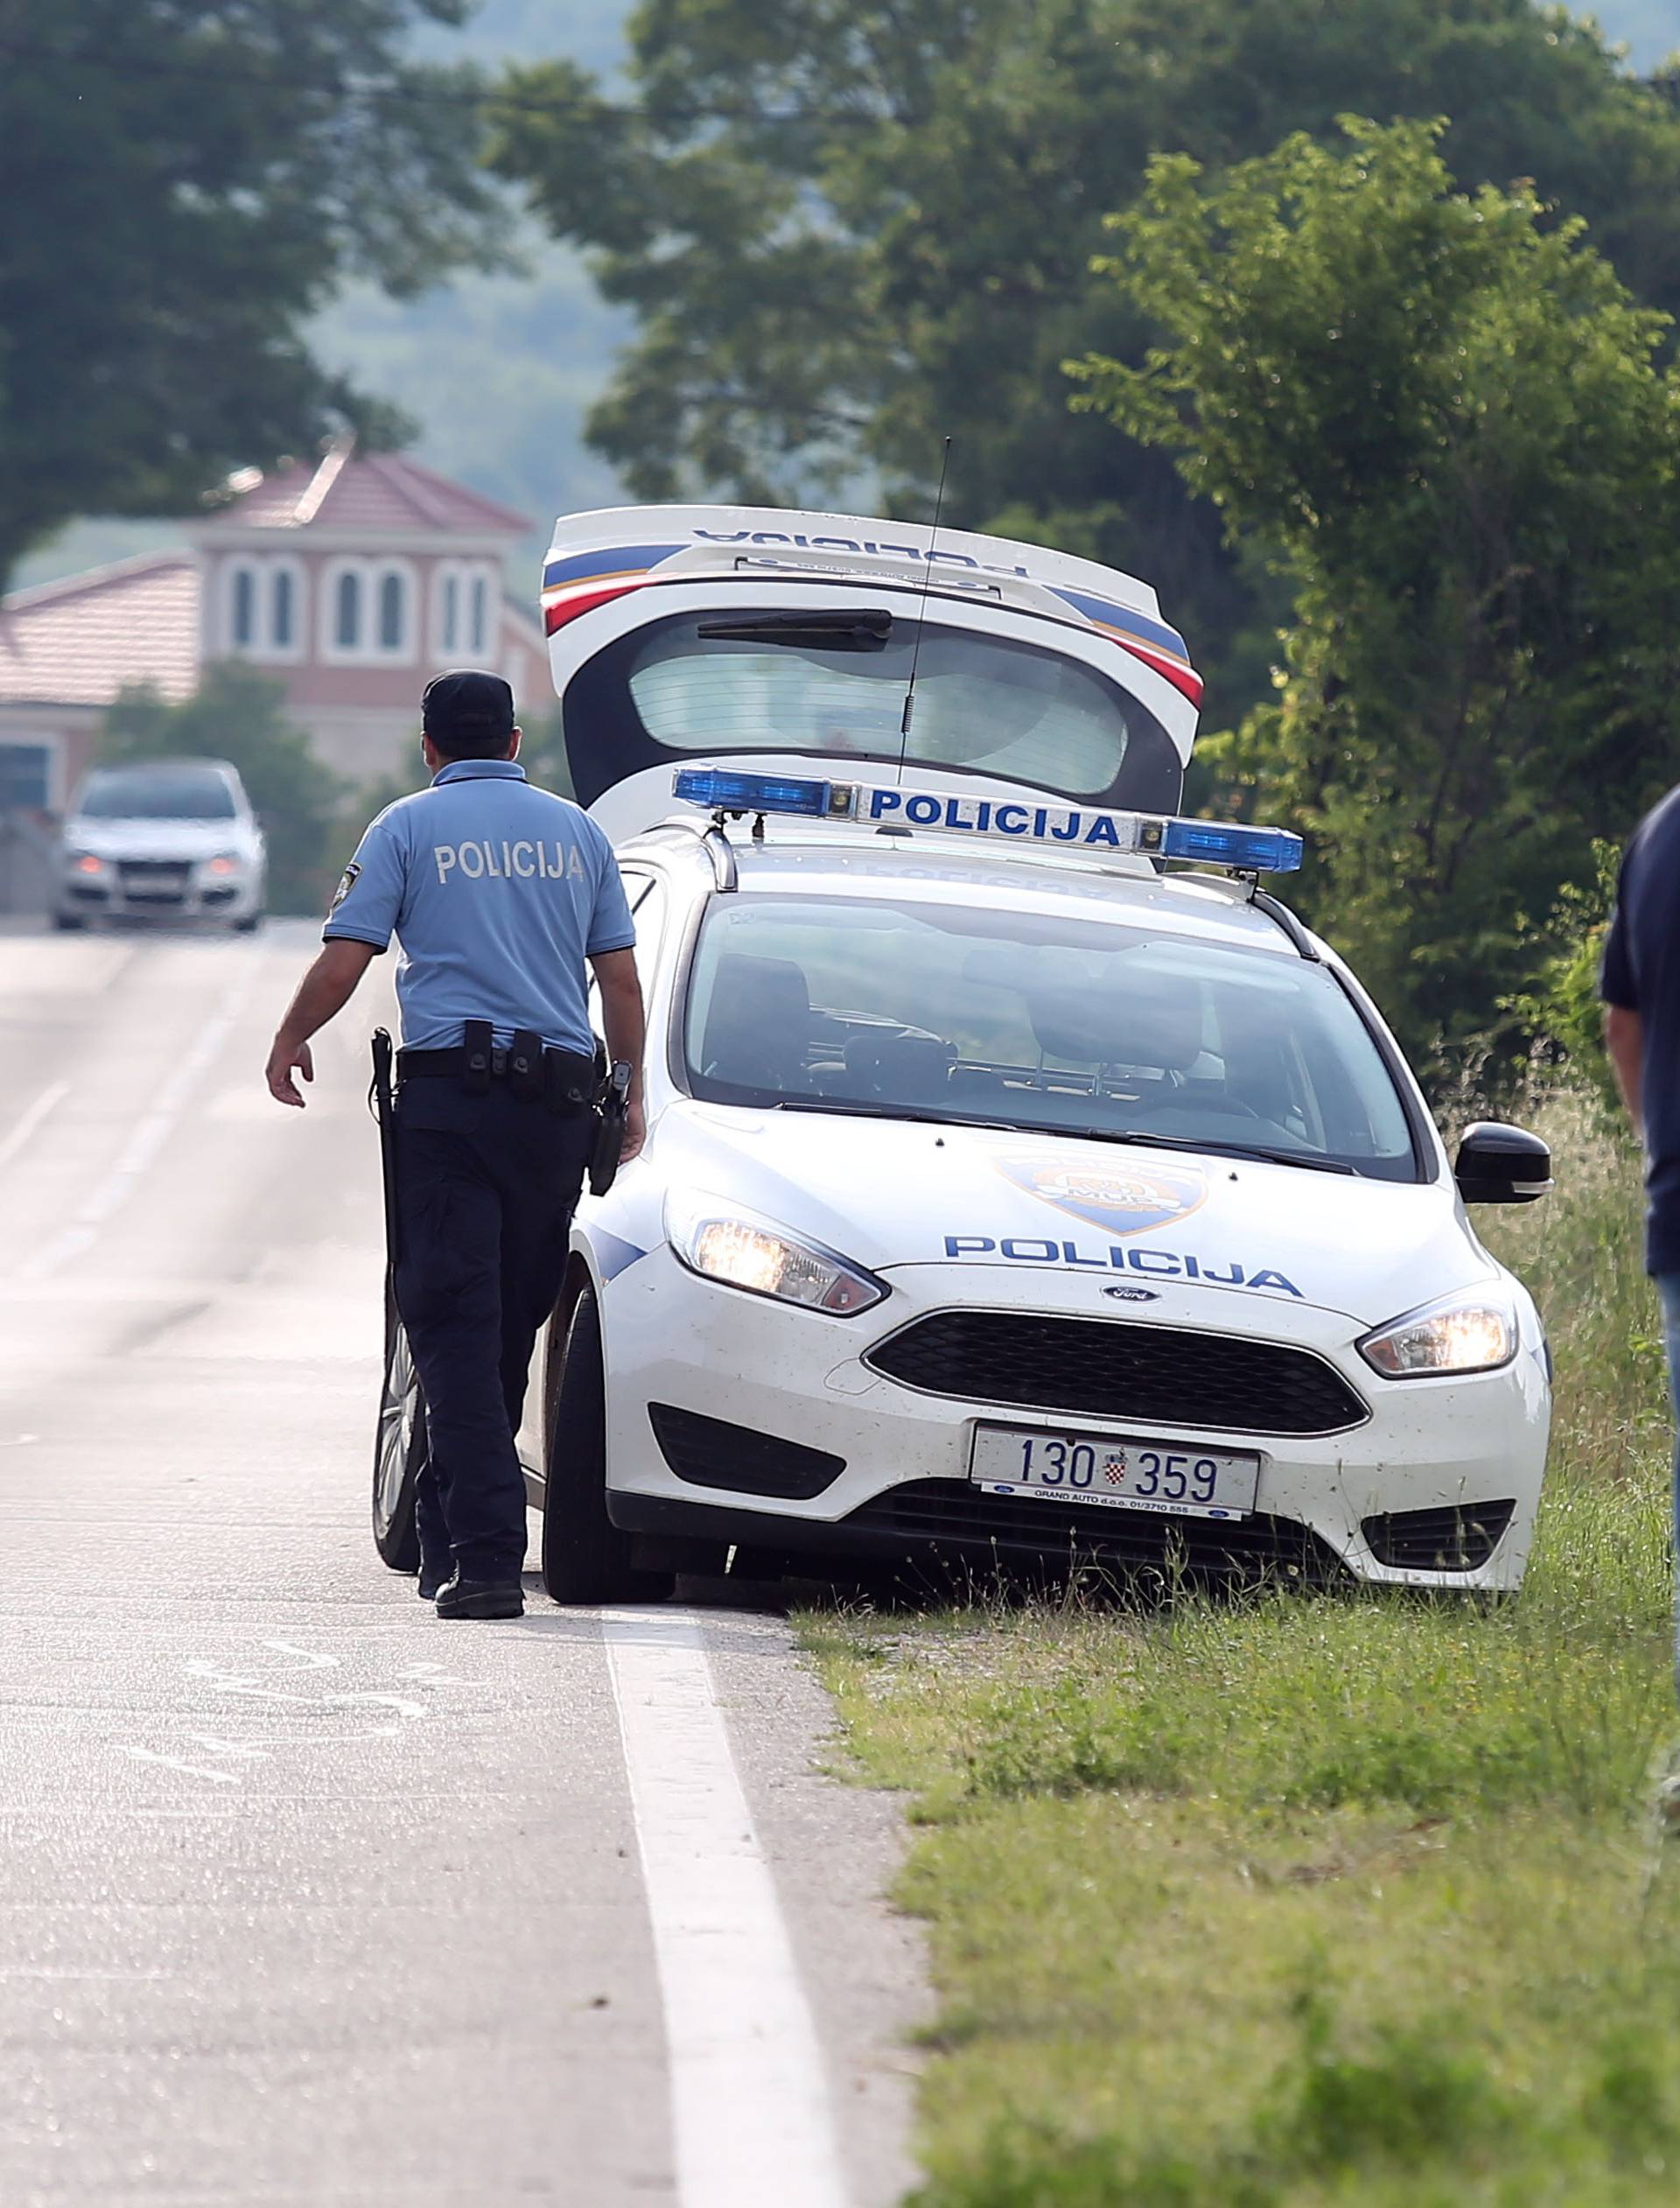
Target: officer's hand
point(281, 1059)
point(635, 1132)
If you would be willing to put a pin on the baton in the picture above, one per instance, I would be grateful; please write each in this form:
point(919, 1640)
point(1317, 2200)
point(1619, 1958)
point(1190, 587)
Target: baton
point(379, 1096)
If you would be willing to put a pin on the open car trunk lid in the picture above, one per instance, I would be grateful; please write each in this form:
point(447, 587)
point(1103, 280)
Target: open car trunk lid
point(784, 642)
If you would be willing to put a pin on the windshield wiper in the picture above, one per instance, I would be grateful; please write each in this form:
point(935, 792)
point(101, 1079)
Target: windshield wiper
point(817, 628)
point(1215, 1148)
point(842, 1108)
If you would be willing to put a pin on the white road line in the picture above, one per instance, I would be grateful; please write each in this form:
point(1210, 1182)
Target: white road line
point(146, 1139)
point(751, 2121)
point(48, 1101)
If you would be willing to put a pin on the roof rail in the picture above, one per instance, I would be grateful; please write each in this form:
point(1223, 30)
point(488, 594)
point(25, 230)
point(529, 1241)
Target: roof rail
point(713, 842)
point(1243, 888)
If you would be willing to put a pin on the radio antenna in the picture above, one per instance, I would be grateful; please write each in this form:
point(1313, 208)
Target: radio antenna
point(922, 612)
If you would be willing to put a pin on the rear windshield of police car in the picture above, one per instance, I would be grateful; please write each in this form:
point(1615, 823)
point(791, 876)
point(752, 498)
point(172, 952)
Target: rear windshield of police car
point(745, 680)
point(1017, 1018)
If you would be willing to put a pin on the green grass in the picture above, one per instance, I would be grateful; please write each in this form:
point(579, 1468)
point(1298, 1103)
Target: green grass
point(1301, 1900)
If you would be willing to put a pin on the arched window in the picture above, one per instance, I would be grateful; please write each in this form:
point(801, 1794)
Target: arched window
point(481, 596)
point(393, 621)
point(347, 612)
point(244, 607)
point(449, 622)
point(283, 610)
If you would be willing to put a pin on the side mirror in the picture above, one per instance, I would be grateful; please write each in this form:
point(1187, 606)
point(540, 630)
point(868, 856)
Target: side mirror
point(1502, 1165)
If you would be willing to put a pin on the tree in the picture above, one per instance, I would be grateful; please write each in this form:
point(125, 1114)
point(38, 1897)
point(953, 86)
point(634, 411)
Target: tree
point(179, 189)
point(847, 226)
point(240, 715)
point(1447, 416)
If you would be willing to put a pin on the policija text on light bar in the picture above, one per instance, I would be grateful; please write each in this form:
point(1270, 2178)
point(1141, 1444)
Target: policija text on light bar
point(1214, 843)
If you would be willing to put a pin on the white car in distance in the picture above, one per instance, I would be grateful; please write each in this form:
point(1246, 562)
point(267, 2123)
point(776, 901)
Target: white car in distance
point(1008, 1196)
point(169, 839)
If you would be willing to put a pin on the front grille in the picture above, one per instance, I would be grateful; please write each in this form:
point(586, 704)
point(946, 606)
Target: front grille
point(1115, 1370)
point(711, 1453)
point(153, 882)
point(953, 1515)
point(1459, 1539)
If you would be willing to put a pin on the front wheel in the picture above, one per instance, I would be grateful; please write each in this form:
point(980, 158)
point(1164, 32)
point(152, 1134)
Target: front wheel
point(585, 1559)
point(399, 1449)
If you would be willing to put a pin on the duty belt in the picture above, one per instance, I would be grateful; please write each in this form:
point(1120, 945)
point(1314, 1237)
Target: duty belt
point(564, 1080)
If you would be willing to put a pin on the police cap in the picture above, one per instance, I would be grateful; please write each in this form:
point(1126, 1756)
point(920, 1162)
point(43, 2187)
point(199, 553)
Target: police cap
point(467, 709)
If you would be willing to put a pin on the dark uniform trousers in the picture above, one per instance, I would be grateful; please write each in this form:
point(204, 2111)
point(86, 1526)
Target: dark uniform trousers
point(486, 1187)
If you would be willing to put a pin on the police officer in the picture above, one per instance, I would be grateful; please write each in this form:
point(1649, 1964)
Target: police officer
point(498, 894)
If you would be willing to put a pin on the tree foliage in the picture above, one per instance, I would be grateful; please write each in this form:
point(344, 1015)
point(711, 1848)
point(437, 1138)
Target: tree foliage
point(1447, 417)
point(179, 188)
point(240, 715)
point(847, 227)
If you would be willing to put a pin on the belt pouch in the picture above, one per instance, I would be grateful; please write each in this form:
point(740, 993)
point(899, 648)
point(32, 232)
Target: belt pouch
point(526, 1072)
point(480, 1037)
point(569, 1080)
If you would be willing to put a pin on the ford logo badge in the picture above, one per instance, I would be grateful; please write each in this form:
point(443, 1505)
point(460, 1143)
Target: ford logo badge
point(1133, 1295)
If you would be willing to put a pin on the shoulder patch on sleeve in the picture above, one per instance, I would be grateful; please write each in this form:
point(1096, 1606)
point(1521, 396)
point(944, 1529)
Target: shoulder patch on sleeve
point(346, 883)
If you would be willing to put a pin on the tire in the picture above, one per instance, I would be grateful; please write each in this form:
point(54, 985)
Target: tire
point(585, 1559)
point(66, 920)
point(399, 1450)
point(249, 925)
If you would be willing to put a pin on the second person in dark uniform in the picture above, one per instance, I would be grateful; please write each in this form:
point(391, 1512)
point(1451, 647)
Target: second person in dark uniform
point(501, 897)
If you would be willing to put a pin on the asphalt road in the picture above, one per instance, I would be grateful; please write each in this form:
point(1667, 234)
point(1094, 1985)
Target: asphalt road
point(304, 1896)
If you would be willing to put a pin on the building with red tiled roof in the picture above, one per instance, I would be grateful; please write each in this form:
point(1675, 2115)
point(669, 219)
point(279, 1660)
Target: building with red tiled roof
point(350, 582)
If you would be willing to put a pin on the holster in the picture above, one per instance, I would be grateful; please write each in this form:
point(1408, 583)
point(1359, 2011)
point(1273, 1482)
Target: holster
point(612, 1104)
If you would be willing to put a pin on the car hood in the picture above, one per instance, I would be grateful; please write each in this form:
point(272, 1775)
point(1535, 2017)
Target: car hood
point(889, 1194)
point(185, 839)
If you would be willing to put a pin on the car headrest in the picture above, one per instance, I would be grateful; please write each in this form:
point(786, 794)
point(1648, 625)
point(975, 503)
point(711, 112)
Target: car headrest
point(759, 1025)
point(1128, 1027)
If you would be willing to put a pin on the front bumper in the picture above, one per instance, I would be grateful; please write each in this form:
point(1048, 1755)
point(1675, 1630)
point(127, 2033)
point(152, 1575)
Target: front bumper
point(160, 889)
point(1470, 1452)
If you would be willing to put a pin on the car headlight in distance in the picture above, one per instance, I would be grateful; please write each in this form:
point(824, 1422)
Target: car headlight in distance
point(88, 862)
point(224, 863)
point(1474, 1331)
point(721, 1243)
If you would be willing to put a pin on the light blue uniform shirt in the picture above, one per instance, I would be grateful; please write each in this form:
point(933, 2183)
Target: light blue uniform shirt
point(496, 893)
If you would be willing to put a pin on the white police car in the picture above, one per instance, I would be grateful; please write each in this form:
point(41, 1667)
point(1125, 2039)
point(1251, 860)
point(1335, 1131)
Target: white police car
point(1006, 1195)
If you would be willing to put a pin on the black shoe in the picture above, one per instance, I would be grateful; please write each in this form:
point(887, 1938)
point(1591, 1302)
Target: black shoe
point(432, 1583)
point(480, 1598)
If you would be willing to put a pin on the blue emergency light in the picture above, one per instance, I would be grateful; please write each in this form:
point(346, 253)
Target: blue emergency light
point(1088, 832)
point(722, 791)
point(1217, 843)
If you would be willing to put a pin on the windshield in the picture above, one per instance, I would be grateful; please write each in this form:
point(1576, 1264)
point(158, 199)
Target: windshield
point(154, 793)
point(1025, 1020)
point(770, 679)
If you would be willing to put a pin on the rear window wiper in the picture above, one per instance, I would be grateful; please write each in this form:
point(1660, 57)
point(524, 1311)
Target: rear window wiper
point(816, 629)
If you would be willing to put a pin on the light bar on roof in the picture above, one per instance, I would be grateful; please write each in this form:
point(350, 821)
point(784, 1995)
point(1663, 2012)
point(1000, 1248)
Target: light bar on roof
point(1085, 829)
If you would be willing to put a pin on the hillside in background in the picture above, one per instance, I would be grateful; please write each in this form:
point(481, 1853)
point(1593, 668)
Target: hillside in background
point(501, 371)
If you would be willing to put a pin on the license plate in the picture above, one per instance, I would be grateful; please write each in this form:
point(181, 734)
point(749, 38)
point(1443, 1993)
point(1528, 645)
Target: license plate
point(1175, 1477)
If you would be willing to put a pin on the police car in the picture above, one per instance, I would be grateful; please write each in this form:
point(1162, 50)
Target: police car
point(1025, 1183)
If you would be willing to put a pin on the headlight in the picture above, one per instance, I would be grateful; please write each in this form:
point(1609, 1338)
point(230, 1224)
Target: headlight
point(87, 862)
point(225, 862)
point(718, 1241)
point(1475, 1331)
